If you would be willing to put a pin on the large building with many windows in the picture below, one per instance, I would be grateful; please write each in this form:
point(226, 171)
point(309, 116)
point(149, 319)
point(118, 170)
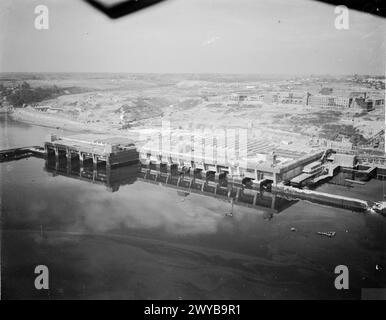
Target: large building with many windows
point(329, 101)
point(289, 97)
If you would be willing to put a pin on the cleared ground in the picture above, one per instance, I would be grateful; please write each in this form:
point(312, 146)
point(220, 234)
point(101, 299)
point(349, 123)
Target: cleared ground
point(129, 103)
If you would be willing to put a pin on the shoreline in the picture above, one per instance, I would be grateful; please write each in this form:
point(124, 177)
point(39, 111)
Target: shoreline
point(57, 123)
point(51, 121)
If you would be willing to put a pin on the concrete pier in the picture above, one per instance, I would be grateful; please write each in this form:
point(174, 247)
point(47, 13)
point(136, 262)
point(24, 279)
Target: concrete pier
point(20, 153)
point(321, 197)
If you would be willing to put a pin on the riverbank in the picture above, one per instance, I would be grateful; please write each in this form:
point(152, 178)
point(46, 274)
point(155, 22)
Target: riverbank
point(55, 121)
point(62, 124)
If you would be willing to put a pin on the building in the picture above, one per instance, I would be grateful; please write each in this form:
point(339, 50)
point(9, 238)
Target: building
point(238, 97)
point(255, 159)
point(321, 101)
point(363, 104)
point(344, 160)
point(109, 149)
point(48, 109)
point(289, 97)
point(325, 101)
point(343, 102)
point(378, 102)
point(258, 97)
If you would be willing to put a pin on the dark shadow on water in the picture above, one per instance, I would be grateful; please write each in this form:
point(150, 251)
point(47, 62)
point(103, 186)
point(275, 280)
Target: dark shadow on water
point(184, 183)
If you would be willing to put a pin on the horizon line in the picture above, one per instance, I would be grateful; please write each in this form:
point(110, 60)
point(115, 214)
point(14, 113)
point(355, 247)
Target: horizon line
point(194, 73)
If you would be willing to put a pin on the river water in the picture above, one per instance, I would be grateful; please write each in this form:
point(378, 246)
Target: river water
point(147, 241)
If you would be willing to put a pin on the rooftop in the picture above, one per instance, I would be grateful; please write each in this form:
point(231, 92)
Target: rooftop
point(93, 143)
point(255, 152)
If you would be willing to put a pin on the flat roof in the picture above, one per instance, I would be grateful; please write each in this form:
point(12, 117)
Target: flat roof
point(92, 143)
point(88, 138)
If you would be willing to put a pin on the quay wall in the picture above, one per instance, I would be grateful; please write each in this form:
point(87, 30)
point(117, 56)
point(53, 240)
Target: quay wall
point(18, 153)
point(320, 197)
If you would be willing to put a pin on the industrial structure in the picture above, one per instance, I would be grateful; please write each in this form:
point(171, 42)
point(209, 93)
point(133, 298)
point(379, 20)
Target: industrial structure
point(238, 158)
point(272, 180)
point(109, 150)
point(355, 100)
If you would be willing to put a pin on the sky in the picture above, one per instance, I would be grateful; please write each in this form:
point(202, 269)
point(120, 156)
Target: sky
point(196, 36)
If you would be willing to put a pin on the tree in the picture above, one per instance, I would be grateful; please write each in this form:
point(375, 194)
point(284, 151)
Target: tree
point(25, 86)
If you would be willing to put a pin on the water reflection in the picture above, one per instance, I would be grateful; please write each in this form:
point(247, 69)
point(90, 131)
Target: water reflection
point(111, 178)
point(185, 183)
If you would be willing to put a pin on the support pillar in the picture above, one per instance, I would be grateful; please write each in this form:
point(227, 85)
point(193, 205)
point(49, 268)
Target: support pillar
point(238, 194)
point(255, 199)
point(171, 167)
point(273, 203)
point(45, 150)
point(81, 158)
point(108, 175)
point(68, 156)
point(95, 160)
point(94, 174)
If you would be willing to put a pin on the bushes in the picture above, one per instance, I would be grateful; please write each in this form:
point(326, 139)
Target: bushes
point(24, 94)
